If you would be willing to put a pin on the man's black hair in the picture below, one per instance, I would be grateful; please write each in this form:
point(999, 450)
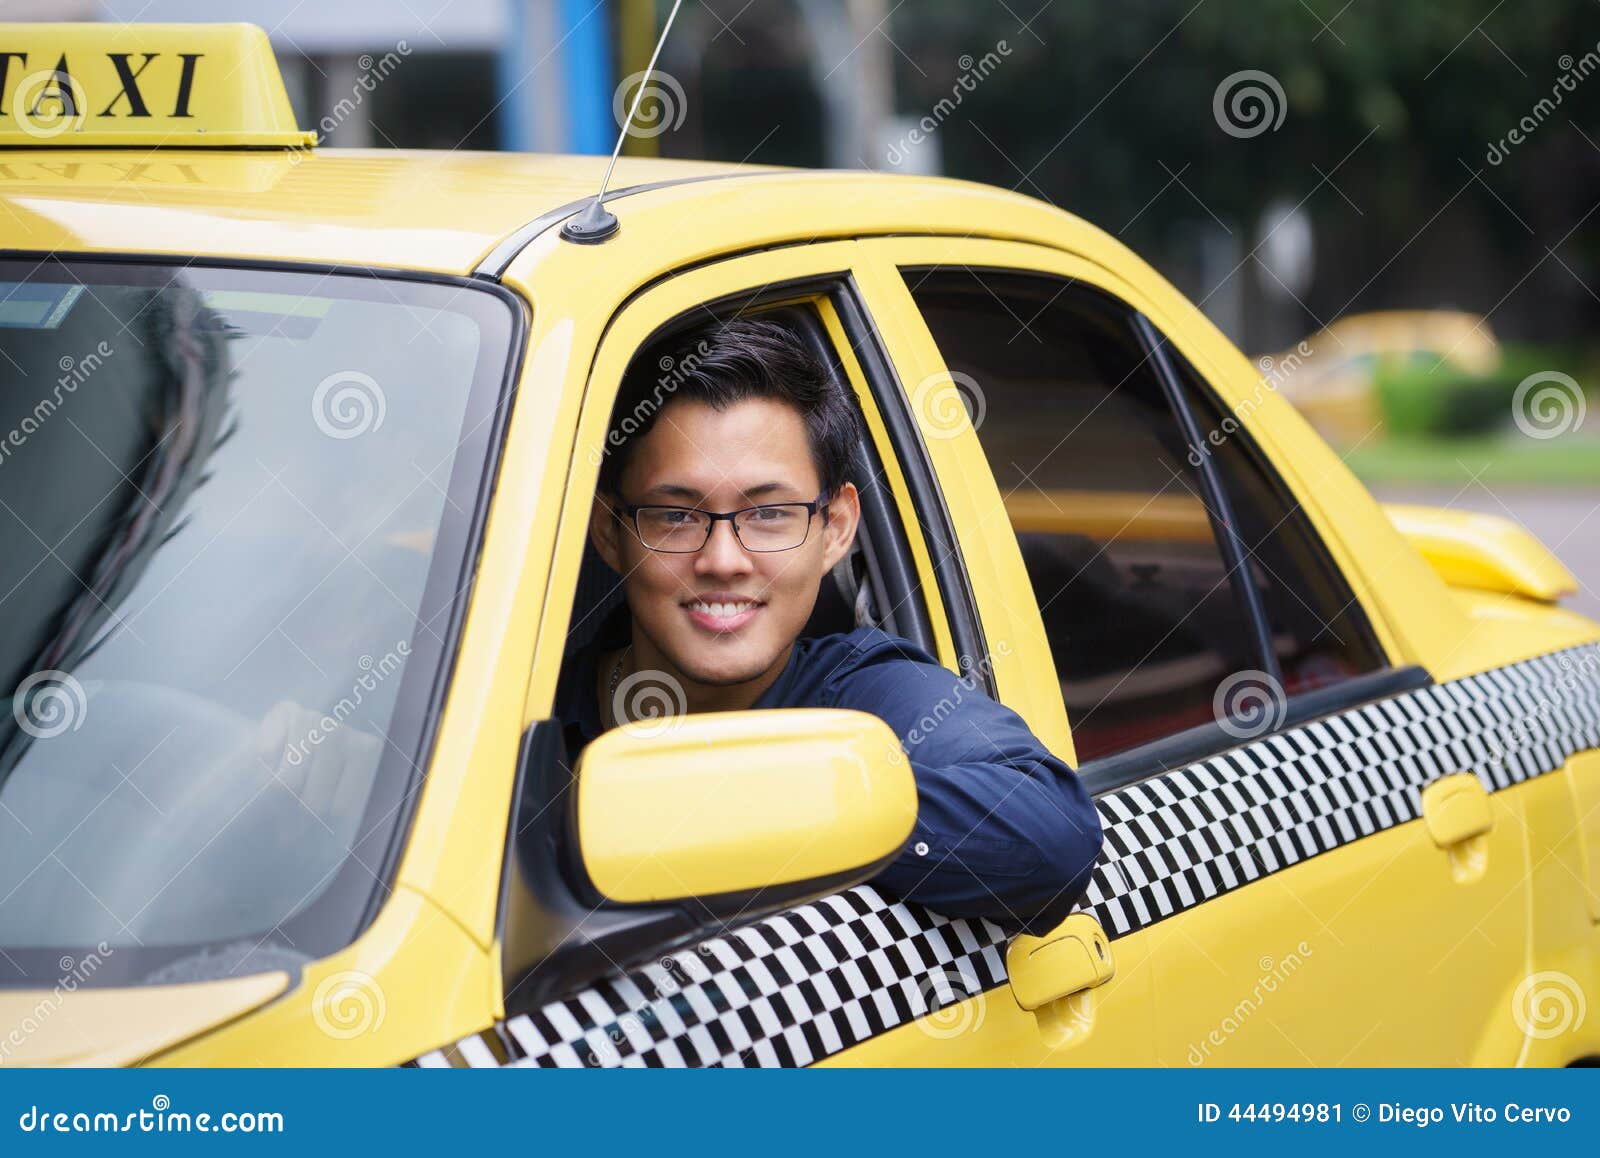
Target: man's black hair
point(724, 362)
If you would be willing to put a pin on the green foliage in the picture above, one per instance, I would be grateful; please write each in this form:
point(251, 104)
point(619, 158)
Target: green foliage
point(1430, 397)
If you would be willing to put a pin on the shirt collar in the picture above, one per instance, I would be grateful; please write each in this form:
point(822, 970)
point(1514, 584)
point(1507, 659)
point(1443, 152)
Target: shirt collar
point(582, 702)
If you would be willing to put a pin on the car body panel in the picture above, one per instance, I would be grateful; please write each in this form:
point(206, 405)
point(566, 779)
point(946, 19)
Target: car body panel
point(119, 1027)
point(440, 212)
point(426, 972)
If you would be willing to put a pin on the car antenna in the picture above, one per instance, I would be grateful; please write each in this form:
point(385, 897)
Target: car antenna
point(594, 222)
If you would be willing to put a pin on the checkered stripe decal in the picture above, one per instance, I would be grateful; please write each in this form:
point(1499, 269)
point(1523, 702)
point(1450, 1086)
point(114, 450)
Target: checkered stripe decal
point(785, 991)
point(799, 986)
point(1182, 838)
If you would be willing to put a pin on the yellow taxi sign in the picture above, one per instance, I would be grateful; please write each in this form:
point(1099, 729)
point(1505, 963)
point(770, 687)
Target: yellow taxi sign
point(183, 85)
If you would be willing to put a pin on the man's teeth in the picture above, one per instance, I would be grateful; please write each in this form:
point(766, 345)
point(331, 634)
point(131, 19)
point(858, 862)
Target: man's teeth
point(722, 610)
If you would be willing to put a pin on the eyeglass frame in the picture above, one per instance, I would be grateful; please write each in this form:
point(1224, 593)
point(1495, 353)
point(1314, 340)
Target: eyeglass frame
point(817, 506)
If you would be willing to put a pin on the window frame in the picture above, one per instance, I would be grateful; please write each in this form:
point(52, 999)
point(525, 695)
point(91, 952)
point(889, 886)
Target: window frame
point(1118, 770)
point(556, 934)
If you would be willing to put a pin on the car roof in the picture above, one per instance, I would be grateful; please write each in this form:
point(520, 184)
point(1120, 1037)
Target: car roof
point(429, 210)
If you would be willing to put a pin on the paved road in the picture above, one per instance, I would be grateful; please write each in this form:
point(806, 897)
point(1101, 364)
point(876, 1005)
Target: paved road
point(1566, 521)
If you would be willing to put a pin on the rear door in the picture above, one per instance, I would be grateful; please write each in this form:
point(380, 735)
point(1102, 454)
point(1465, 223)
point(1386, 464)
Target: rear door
point(1258, 759)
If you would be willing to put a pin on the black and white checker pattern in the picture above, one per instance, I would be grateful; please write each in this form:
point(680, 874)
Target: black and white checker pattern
point(785, 991)
point(799, 986)
point(1194, 833)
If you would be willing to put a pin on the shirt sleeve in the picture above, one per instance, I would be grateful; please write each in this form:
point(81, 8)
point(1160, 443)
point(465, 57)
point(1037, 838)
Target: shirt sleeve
point(1005, 830)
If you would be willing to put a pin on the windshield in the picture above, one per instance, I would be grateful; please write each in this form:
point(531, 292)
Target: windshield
point(238, 512)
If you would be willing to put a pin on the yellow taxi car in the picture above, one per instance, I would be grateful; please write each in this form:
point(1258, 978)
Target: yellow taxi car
point(299, 447)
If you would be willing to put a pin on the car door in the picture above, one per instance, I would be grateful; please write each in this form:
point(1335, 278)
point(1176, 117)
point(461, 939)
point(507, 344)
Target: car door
point(1299, 834)
point(855, 978)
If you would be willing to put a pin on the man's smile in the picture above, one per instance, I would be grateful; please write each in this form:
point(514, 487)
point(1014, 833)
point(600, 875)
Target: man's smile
point(722, 611)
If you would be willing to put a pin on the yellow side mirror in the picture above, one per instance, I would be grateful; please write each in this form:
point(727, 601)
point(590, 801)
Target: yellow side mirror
point(731, 802)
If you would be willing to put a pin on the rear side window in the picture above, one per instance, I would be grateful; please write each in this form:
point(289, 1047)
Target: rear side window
point(1138, 603)
point(1319, 634)
point(1148, 597)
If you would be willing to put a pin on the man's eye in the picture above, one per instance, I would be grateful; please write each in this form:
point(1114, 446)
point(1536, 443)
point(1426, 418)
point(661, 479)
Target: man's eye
point(673, 518)
point(771, 515)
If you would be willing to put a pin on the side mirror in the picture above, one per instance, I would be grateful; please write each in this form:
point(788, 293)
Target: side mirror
point(792, 803)
point(1485, 552)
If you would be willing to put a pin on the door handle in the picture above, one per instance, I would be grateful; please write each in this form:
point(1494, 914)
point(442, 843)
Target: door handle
point(1456, 811)
point(1070, 958)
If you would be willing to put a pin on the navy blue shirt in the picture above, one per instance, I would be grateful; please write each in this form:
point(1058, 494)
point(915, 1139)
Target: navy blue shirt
point(1004, 829)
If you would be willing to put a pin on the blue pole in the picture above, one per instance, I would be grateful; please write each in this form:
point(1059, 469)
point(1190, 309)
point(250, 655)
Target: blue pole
point(511, 65)
point(588, 72)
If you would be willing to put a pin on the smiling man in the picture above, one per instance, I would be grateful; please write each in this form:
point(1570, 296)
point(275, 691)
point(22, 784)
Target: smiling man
point(723, 509)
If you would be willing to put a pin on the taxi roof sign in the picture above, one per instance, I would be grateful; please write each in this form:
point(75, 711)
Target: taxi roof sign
point(150, 85)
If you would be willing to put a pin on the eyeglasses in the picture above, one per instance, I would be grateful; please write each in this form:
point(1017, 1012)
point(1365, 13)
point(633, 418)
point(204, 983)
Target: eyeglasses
point(685, 530)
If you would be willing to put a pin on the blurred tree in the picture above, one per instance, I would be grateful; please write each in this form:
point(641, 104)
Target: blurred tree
point(1389, 114)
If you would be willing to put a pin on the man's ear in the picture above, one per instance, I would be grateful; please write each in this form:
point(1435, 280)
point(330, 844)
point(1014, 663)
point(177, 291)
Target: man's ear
point(604, 530)
point(844, 515)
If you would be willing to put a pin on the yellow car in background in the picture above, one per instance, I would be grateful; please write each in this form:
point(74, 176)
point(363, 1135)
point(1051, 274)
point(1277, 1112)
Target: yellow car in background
point(1332, 375)
point(297, 454)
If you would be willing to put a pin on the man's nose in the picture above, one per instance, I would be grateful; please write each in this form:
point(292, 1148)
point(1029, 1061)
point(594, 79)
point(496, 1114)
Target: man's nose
point(723, 554)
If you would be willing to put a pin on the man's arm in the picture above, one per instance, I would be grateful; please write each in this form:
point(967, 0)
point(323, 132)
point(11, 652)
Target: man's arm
point(1005, 830)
